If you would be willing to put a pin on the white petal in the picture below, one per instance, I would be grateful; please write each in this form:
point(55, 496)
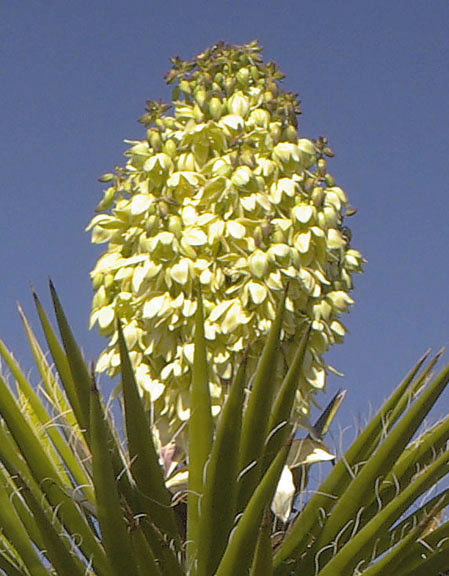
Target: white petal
point(219, 310)
point(180, 272)
point(281, 505)
point(302, 242)
point(156, 306)
point(106, 317)
point(140, 203)
point(189, 215)
point(235, 229)
point(195, 237)
point(303, 213)
point(258, 292)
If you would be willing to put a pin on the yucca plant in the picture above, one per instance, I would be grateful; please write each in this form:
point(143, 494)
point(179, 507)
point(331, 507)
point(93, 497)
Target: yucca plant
point(78, 497)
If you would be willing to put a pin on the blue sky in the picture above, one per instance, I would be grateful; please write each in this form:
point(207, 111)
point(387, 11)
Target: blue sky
point(372, 76)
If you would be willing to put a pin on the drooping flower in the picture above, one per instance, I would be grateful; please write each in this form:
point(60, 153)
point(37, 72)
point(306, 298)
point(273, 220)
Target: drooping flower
point(225, 193)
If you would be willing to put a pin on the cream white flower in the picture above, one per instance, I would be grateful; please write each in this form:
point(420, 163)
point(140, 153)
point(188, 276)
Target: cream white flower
point(223, 192)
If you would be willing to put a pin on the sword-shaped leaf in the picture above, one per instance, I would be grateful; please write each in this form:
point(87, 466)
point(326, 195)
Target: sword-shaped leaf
point(257, 414)
point(200, 432)
point(308, 523)
point(145, 466)
point(218, 503)
point(242, 543)
point(114, 531)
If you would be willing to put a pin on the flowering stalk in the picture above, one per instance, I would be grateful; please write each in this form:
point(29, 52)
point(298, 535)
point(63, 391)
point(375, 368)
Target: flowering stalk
point(223, 192)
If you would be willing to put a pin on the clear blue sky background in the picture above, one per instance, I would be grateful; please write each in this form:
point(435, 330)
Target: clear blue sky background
point(372, 75)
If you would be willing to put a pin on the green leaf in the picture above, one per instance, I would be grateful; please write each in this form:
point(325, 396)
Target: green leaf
point(242, 543)
point(382, 460)
point(432, 566)
point(257, 413)
point(393, 561)
point(78, 368)
point(61, 363)
point(8, 567)
point(145, 467)
point(200, 433)
point(308, 524)
point(386, 540)
point(43, 423)
point(346, 558)
point(56, 546)
point(279, 424)
point(263, 555)
point(218, 504)
point(17, 535)
point(114, 531)
point(146, 562)
point(46, 475)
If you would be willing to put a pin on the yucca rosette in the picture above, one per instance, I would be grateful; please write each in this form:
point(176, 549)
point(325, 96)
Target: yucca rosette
point(225, 196)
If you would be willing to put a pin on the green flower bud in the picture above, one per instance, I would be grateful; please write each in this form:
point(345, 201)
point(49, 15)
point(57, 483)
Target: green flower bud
point(108, 281)
point(174, 224)
point(200, 97)
point(260, 117)
point(97, 281)
point(317, 196)
point(229, 85)
point(215, 108)
point(307, 152)
point(107, 200)
point(170, 148)
point(290, 134)
point(321, 167)
point(329, 180)
point(186, 161)
point(275, 131)
point(108, 177)
point(243, 76)
point(154, 138)
point(198, 115)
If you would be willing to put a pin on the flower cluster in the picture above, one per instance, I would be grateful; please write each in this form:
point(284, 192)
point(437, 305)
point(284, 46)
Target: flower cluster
point(222, 193)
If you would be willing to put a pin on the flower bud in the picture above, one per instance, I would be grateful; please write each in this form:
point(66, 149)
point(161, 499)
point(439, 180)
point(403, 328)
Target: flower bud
point(307, 152)
point(238, 104)
point(317, 196)
point(215, 108)
point(290, 134)
point(258, 264)
point(200, 97)
point(108, 280)
point(154, 138)
point(174, 224)
point(242, 77)
point(285, 152)
point(97, 281)
point(329, 180)
point(170, 148)
point(198, 115)
point(321, 167)
point(275, 131)
point(229, 85)
point(108, 177)
point(242, 176)
point(255, 73)
point(184, 86)
point(247, 157)
point(107, 200)
point(260, 117)
point(186, 161)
